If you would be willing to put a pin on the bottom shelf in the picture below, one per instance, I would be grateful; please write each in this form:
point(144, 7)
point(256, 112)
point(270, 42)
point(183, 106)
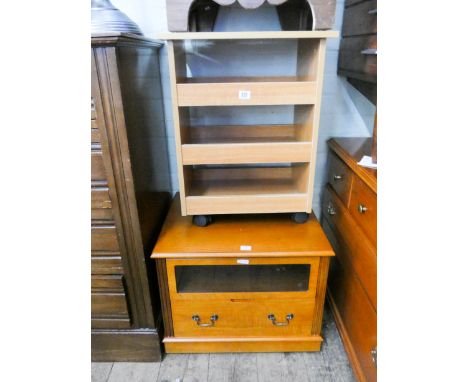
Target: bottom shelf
point(241, 190)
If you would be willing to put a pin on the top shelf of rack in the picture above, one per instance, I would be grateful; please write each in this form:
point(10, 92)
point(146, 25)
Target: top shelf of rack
point(248, 35)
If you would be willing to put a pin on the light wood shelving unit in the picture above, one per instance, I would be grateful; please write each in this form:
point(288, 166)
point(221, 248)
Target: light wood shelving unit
point(239, 169)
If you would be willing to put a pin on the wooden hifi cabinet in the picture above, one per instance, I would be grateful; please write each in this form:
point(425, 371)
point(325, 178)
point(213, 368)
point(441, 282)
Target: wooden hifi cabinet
point(349, 218)
point(239, 168)
point(252, 283)
point(126, 210)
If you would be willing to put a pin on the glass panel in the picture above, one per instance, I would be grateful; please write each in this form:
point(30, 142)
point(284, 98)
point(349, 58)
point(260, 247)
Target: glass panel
point(242, 278)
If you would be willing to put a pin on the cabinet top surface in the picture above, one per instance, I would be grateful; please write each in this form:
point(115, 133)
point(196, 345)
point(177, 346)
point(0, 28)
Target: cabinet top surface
point(267, 236)
point(247, 35)
point(351, 151)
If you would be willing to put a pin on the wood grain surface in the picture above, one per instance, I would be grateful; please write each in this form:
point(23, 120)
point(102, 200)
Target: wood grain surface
point(268, 236)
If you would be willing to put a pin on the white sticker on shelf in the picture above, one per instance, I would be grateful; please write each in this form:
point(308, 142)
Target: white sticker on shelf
point(244, 94)
point(245, 247)
point(243, 261)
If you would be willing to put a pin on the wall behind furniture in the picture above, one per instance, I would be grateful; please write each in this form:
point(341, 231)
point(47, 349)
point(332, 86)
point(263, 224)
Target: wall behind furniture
point(345, 112)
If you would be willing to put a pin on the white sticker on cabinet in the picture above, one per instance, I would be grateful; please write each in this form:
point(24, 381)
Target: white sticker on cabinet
point(243, 261)
point(244, 94)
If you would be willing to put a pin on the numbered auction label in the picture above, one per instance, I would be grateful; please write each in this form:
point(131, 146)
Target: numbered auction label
point(244, 94)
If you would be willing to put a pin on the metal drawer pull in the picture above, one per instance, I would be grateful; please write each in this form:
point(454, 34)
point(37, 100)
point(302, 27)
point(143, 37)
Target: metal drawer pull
point(330, 209)
point(362, 208)
point(289, 317)
point(213, 319)
point(369, 52)
point(337, 177)
point(374, 356)
point(372, 11)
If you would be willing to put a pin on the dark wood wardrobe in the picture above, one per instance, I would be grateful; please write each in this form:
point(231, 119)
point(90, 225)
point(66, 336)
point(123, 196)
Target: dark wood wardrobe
point(130, 194)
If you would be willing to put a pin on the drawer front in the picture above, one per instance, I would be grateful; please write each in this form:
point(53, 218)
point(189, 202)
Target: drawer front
point(101, 214)
point(104, 238)
point(340, 177)
point(110, 323)
point(111, 283)
point(98, 171)
point(100, 198)
point(242, 317)
point(109, 305)
point(357, 315)
point(242, 278)
point(363, 208)
point(354, 247)
point(111, 265)
point(95, 136)
point(95, 133)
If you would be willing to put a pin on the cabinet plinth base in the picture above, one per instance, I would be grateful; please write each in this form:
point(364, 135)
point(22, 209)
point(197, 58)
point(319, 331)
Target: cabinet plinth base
point(241, 345)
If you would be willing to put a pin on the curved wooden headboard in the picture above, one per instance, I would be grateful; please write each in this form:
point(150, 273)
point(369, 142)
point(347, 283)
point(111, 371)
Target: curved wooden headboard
point(323, 12)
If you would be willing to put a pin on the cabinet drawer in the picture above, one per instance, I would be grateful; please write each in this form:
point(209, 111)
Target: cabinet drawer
point(111, 265)
point(242, 317)
point(110, 323)
point(95, 136)
point(104, 238)
point(100, 197)
point(340, 177)
point(111, 283)
point(102, 214)
point(363, 208)
point(354, 247)
point(98, 171)
point(108, 304)
point(357, 316)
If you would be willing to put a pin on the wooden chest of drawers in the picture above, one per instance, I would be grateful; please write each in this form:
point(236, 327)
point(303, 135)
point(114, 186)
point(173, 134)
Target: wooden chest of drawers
point(349, 218)
point(252, 283)
point(126, 216)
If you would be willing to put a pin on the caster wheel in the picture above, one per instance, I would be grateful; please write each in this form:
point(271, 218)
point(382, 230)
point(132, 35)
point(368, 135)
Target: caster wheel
point(300, 217)
point(202, 220)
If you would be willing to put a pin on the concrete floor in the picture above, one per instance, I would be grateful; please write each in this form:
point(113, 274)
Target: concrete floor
point(329, 365)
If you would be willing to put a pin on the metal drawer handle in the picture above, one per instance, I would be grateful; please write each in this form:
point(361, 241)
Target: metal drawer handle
point(372, 12)
point(362, 208)
point(337, 177)
point(330, 209)
point(374, 356)
point(272, 318)
point(213, 319)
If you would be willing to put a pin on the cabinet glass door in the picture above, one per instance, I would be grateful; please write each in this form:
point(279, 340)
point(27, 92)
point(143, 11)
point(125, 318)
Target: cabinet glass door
point(240, 276)
point(247, 278)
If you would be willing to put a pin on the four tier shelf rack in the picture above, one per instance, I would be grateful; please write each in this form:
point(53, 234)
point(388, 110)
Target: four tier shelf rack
point(238, 168)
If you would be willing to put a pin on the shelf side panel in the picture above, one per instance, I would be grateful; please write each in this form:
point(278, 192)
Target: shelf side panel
point(177, 69)
point(320, 71)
